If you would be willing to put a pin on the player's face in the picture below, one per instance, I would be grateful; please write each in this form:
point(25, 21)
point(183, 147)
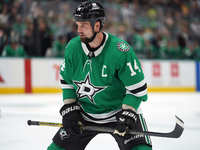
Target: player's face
point(85, 31)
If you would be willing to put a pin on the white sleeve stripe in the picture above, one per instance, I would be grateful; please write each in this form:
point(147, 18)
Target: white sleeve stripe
point(61, 78)
point(67, 86)
point(64, 85)
point(136, 86)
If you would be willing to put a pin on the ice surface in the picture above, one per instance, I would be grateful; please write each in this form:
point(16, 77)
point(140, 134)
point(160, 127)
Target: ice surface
point(159, 112)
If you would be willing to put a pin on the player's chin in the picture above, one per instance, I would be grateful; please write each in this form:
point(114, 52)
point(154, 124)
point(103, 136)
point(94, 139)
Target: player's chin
point(83, 39)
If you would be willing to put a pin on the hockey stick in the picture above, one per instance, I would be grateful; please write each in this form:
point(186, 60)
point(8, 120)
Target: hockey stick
point(176, 133)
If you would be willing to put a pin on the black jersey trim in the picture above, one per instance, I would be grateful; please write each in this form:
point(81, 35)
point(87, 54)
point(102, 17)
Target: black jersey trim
point(63, 81)
point(94, 49)
point(140, 89)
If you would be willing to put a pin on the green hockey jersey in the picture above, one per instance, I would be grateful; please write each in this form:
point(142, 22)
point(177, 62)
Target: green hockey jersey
point(102, 83)
point(9, 51)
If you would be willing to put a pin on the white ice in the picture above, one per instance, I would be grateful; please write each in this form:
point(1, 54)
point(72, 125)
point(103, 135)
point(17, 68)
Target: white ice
point(159, 112)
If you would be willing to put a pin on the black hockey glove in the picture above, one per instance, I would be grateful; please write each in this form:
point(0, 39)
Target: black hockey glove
point(126, 118)
point(71, 118)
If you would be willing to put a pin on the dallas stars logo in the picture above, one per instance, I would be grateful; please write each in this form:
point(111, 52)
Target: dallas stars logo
point(63, 134)
point(123, 47)
point(87, 89)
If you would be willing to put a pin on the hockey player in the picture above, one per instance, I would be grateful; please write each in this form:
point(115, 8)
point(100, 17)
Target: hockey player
point(103, 85)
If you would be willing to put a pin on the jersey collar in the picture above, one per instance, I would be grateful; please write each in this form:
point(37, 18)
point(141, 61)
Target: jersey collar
point(98, 51)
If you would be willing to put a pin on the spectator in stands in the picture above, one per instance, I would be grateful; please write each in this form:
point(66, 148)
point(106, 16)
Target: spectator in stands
point(150, 50)
point(173, 50)
point(194, 9)
point(17, 29)
point(195, 28)
point(126, 13)
point(153, 21)
point(65, 18)
point(58, 47)
point(169, 21)
point(45, 37)
point(176, 16)
point(14, 49)
point(19, 25)
point(73, 33)
point(138, 42)
point(4, 16)
point(123, 33)
point(190, 51)
point(183, 36)
point(52, 21)
point(110, 28)
point(13, 14)
point(28, 42)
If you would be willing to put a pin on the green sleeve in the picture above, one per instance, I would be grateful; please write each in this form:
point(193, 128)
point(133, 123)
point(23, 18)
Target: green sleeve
point(69, 93)
point(66, 73)
point(131, 74)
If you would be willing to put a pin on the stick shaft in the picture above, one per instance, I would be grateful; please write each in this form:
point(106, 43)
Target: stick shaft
point(40, 123)
point(176, 133)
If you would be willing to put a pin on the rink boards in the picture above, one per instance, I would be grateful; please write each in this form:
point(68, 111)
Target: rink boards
point(41, 75)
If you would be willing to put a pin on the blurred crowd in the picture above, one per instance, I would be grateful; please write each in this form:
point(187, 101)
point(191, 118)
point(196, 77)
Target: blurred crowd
point(156, 29)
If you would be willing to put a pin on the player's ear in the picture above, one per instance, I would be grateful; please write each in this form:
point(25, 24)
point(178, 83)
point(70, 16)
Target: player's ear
point(97, 26)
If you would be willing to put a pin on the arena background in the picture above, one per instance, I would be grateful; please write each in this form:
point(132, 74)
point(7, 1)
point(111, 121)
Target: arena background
point(165, 35)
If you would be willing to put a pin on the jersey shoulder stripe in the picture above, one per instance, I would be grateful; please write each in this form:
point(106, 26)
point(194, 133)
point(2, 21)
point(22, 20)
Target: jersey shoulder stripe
point(64, 84)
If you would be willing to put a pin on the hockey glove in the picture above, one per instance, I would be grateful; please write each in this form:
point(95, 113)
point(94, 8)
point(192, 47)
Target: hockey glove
point(71, 118)
point(126, 118)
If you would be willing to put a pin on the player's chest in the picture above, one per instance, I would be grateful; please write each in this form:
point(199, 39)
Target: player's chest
point(95, 71)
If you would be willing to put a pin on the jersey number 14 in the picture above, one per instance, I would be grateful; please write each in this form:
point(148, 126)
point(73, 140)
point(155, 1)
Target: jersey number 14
point(133, 71)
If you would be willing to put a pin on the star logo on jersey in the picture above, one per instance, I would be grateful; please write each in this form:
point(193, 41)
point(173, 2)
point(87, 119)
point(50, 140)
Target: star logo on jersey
point(87, 89)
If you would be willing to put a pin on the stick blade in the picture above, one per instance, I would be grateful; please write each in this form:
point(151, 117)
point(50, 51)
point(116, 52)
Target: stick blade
point(176, 133)
point(178, 130)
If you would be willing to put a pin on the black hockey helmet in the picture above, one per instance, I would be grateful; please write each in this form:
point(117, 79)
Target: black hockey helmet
point(90, 11)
